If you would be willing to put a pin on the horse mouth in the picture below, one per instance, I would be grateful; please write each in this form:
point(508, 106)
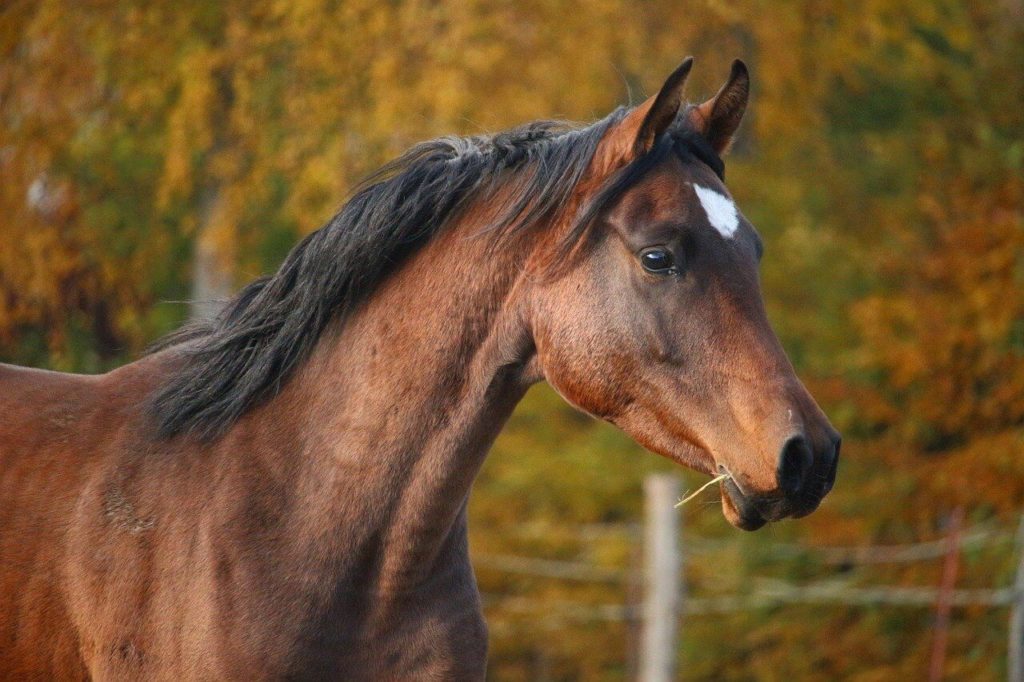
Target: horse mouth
point(738, 509)
point(750, 513)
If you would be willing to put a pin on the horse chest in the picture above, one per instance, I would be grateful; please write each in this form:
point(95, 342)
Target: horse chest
point(425, 635)
point(359, 637)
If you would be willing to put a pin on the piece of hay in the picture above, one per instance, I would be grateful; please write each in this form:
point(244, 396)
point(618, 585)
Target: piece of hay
point(717, 479)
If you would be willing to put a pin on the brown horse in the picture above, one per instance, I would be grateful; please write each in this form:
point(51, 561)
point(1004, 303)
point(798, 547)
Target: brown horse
point(281, 493)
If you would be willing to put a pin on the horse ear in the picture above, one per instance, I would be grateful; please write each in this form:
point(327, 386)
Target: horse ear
point(718, 118)
point(640, 129)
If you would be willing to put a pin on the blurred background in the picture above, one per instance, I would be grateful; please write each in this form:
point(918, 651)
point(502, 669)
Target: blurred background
point(156, 153)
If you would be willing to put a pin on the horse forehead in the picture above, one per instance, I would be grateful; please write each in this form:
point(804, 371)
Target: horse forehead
point(674, 196)
point(662, 196)
point(719, 208)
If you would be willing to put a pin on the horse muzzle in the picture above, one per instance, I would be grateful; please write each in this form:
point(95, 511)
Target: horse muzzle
point(803, 477)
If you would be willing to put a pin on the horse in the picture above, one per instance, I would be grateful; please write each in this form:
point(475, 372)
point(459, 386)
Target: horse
point(280, 491)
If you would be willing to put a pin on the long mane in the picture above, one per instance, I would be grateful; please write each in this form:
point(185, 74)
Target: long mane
point(245, 354)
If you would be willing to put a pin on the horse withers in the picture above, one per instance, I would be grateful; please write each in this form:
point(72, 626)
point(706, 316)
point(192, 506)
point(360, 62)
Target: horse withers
point(281, 492)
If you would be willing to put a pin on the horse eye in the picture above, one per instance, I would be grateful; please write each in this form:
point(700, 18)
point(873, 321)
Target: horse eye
point(658, 261)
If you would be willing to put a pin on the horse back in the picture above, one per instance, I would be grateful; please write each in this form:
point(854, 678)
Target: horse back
point(53, 428)
point(39, 412)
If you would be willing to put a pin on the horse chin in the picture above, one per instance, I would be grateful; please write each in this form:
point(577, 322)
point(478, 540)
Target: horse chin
point(738, 510)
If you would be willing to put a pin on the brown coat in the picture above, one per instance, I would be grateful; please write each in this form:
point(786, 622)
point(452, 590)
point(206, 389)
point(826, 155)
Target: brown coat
point(321, 532)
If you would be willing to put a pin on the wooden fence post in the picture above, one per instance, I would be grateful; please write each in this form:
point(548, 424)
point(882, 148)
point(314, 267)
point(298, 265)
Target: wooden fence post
point(1015, 649)
point(945, 601)
point(662, 579)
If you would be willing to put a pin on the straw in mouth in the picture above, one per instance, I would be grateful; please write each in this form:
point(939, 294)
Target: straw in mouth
point(717, 479)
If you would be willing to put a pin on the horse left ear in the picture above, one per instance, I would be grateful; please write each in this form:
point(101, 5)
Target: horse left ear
point(718, 118)
point(637, 132)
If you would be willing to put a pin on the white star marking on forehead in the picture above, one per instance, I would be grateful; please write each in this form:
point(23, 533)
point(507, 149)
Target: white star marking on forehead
point(721, 211)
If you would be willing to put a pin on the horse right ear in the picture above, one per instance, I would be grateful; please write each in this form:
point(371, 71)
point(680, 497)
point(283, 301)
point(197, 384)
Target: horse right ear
point(719, 117)
point(636, 134)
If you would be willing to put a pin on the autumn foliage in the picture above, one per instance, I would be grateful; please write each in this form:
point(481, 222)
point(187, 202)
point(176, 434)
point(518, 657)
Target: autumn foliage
point(883, 162)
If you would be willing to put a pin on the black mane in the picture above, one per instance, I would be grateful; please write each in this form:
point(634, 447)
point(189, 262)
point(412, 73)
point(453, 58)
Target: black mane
point(249, 351)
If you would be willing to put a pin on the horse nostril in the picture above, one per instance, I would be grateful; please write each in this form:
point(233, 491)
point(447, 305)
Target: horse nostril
point(794, 462)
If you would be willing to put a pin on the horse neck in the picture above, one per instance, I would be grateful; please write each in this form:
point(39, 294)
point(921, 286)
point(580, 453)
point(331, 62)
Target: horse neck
point(400, 405)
